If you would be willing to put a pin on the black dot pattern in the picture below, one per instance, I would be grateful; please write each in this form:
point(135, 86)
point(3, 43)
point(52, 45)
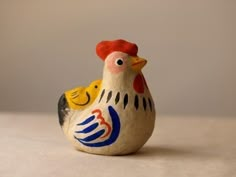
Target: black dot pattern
point(136, 102)
point(117, 97)
point(102, 94)
point(126, 99)
point(150, 103)
point(109, 96)
point(144, 104)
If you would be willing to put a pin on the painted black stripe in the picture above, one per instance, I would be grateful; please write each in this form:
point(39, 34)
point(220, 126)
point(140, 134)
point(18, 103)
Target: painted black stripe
point(125, 100)
point(144, 104)
point(109, 96)
point(136, 104)
point(117, 97)
point(150, 103)
point(103, 92)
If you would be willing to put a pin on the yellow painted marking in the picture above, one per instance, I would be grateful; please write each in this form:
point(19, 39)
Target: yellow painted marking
point(81, 97)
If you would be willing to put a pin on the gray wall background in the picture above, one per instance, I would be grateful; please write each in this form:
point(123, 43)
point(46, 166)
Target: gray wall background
point(47, 47)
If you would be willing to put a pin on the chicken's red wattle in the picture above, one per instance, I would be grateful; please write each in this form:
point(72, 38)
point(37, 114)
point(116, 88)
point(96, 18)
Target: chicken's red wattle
point(139, 83)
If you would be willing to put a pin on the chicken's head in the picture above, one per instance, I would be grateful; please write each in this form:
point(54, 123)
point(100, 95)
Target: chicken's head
point(121, 61)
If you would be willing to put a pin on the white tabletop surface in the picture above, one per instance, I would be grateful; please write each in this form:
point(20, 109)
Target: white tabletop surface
point(33, 145)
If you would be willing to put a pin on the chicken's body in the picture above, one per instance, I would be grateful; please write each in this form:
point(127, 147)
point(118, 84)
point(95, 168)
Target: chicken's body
point(122, 116)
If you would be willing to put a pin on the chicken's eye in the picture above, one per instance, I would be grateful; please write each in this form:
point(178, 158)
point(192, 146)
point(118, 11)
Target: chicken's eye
point(119, 61)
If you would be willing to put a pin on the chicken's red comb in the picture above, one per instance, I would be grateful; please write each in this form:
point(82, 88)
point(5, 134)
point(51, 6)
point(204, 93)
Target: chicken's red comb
point(104, 48)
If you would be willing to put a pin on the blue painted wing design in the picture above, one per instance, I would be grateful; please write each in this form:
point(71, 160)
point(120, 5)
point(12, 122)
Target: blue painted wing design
point(96, 132)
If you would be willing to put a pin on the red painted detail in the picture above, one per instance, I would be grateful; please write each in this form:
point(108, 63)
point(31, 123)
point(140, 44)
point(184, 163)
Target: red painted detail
point(102, 121)
point(104, 48)
point(138, 84)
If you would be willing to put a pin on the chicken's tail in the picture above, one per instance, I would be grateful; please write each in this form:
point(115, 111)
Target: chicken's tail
point(63, 109)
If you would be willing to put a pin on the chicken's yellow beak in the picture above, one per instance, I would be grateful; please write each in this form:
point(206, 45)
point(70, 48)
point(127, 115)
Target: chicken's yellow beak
point(137, 63)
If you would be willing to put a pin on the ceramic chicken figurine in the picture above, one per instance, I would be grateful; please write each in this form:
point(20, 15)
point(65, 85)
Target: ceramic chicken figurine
point(115, 115)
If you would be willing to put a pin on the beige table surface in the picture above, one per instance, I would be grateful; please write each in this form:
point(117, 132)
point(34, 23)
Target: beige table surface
point(33, 145)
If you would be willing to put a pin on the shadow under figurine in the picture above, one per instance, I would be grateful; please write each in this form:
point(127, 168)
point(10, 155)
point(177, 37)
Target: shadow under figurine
point(115, 115)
